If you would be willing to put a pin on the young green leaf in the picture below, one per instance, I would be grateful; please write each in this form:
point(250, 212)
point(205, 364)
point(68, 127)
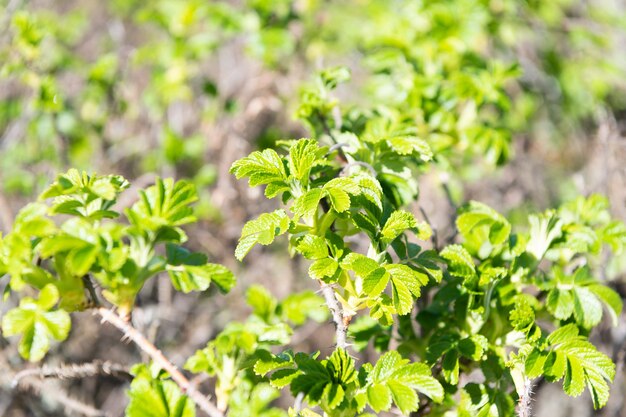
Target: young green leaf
point(165, 204)
point(262, 167)
point(396, 224)
point(37, 322)
point(153, 395)
point(395, 378)
point(191, 272)
point(262, 230)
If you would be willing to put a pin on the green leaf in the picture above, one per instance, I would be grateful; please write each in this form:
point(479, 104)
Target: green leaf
point(262, 230)
point(580, 362)
point(306, 205)
point(334, 395)
point(379, 397)
point(406, 284)
point(523, 315)
point(404, 397)
point(302, 157)
point(373, 276)
point(396, 224)
point(37, 323)
point(298, 307)
point(614, 234)
point(347, 184)
point(563, 334)
point(189, 271)
point(544, 229)
point(79, 261)
point(188, 278)
point(261, 167)
point(340, 365)
point(75, 182)
point(253, 400)
point(32, 221)
point(482, 228)
point(396, 376)
point(328, 382)
point(587, 308)
point(407, 145)
point(610, 298)
point(450, 367)
point(339, 199)
point(581, 296)
point(473, 347)
point(151, 395)
point(261, 301)
point(560, 303)
point(338, 191)
point(165, 204)
point(323, 268)
point(312, 247)
point(269, 362)
point(460, 262)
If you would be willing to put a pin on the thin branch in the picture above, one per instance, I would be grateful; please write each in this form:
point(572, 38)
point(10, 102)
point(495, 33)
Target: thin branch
point(341, 321)
point(525, 399)
point(297, 404)
point(327, 129)
point(157, 356)
point(70, 371)
point(434, 238)
point(454, 209)
point(92, 291)
point(336, 147)
point(65, 400)
point(349, 165)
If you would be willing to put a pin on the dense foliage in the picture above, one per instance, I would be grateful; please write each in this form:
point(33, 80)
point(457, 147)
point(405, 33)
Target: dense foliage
point(405, 93)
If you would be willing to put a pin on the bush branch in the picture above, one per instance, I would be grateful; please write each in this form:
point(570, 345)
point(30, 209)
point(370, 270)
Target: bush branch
point(70, 371)
point(525, 398)
point(341, 321)
point(62, 399)
point(157, 356)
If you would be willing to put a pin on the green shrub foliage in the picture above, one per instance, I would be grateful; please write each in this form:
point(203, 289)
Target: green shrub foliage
point(440, 90)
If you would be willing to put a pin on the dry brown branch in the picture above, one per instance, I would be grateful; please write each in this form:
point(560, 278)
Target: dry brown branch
point(64, 400)
point(70, 371)
point(157, 356)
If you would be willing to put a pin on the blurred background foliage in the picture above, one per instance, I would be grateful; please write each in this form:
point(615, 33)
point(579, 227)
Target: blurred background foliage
point(521, 101)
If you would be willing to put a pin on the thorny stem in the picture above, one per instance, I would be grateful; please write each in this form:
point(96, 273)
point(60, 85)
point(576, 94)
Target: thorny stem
point(341, 321)
point(157, 356)
point(74, 371)
point(523, 405)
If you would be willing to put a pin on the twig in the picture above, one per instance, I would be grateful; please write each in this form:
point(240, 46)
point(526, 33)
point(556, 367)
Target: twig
point(82, 370)
point(330, 134)
point(66, 401)
point(335, 147)
point(341, 321)
point(359, 163)
point(453, 206)
point(157, 356)
point(297, 403)
point(92, 291)
point(525, 398)
point(433, 239)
